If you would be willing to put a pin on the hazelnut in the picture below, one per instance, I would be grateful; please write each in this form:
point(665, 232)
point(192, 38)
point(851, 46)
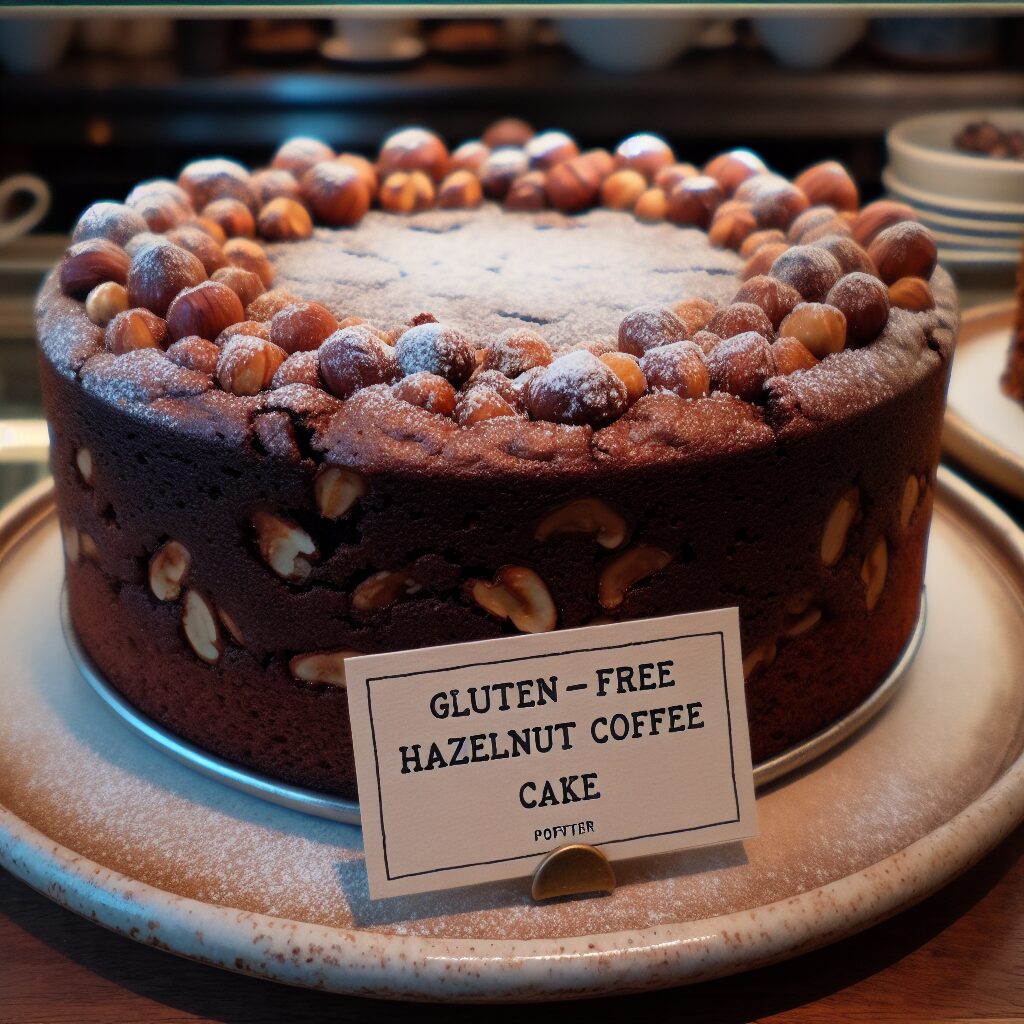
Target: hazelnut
point(835, 229)
point(528, 193)
point(669, 176)
point(231, 626)
point(651, 206)
point(515, 351)
point(549, 149)
point(132, 329)
point(801, 616)
point(480, 402)
point(337, 489)
point(284, 545)
point(299, 154)
point(572, 185)
point(88, 547)
point(470, 156)
point(207, 180)
point(268, 304)
point(199, 622)
point(644, 153)
point(234, 217)
point(519, 594)
point(196, 241)
point(247, 365)
point(251, 328)
point(695, 313)
point(105, 301)
point(205, 310)
point(366, 171)
point(864, 302)
point(811, 271)
point(739, 318)
point(407, 192)
point(740, 366)
point(776, 202)
point(83, 462)
point(874, 571)
point(158, 273)
point(693, 201)
point(194, 353)
point(621, 190)
point(72, 542)
point(850, 256)
point(729, 227)
point(776, 298)
point(244, 253)
point(908, 502)
point(161, 204)
point(679, 368)
point(208, 227)
point(731, 169)
point(167, 570)
point(298, 368)
point(576, 389)
point(336, 194)
point(648, 327)
point(756, 239)
point(910, 293)
point(327, 667)
point(427, 391)
point(244, 283)
point(819, 326)
point(273, 183)
point(791, 355)
point(585, 515)
point(903, 250)
point(814, 218)
point(877, 216)
point(302, 327)
point(509, 131)
point(706, 341)
point(89, 263)
point(500, 169)
point(382, 589)
point(762, 260)
point(829, 183)
point(352, 359)
point(460, 190)
point(627, 369)
point(837, 527)
point(435, 348)
point(413, 149)
point(626, 570)
point(284, 220)
point(600, 161)
point(115, 222)
point(759, 658)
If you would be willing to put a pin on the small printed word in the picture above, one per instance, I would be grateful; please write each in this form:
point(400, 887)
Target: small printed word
point(577, 828)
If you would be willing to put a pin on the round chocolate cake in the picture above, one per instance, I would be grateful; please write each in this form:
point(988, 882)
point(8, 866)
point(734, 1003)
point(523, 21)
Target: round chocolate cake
point(514, 387)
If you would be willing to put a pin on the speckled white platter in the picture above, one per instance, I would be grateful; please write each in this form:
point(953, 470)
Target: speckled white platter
point(94, 817)
point(984, 428)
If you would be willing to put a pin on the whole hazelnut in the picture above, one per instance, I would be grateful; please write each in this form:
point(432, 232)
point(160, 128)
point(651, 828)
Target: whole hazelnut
point(244, 253)
point(622, 189)
point(196, 241)
point(706, 341)
point(811, 219)
point(234, 217)
point(515, 351)
point(272, 183)
point(480, 402)
point(427, 391)
point(159, 272)
point(756, 239)
point(132, 329)
point(460, 190)
point(302, 327)
point(910, 293)
point(336, 194)
point(837, 227)
point(693, 201)
point(792, 355)
point(776, 298)
point(413, 149)
point(89, 263)
point(819, 326)
point(830, 184)
point(436, 348)
point(266, 305)
point(352, 359)
point(906, 249)
point(161, 204)
point(577, 389)
point(877, 216)
point(500, 169)
point(668, 177)
point(284, 220)
point(811, 271)
point(848, 253)
point(105, 301)
point(776, 202)
point(209, 228)
point(244, 283)
point(762, 260)
point(731, 169)
point(113, 221)
point(651, 206)
point(205, 310)
point(207, 180)
point(572, 185)
point(695, 312)
point(679, 368)
point(528, 193)
point(247, 365)
point(864, 301)
point(252, 328)
point(299, 154)
point(407, 192)
point(509, 131)
point(627, 369)
point(193, 353)
point(299, 368)
point(741, 318)
point(645, 153)
point(366, 171)
point(550, 148)
point(741, 365)
point(600, 161)
point(731, 224)
point(650, 327)
point(139, 242)
point(470, 156)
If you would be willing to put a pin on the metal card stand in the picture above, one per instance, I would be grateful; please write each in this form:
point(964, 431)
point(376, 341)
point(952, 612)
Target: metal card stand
point(573, 870)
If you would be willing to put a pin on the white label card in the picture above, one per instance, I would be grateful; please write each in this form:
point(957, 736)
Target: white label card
point(475, 761)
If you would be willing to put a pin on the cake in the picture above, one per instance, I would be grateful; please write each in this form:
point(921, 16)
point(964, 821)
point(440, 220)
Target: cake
point(510, 388)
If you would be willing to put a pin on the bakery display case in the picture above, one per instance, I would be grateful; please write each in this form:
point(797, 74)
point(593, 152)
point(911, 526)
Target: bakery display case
point(344, 357)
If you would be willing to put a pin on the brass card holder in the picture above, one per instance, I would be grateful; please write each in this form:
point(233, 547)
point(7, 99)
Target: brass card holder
point(573, 870)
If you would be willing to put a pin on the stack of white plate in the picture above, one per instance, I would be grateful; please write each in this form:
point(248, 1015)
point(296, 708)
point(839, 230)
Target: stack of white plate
point(973, 204)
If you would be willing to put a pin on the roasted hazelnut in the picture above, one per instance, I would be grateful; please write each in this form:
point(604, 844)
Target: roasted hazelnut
point(829, 183)
point(252, 328)
point(413, 149)
point(626, 570)
point(234, 217)
point(693, 201)
point(908, 503)
point(407, 192)
point(730, 226)
point(284, 220)
point(366, 171)
point(161, 204)
point(299, 154)
point(89, 263)
point(205, 310)
point(820, 327)
point(600, 161)
point(208, 227)
point(877, 216)
point(776, 298)
point(337, 489)
point(196, 241)
point(585, 515)
point(621, 190)
point(577, 389)
point(470, 156)
point(706, 341)
point(740, 318)
point(837, 526)
point(194, 353)
point(811, 219)
point(302, 327)
point(627, 369)
point(520, 595)
point(480, 402)
point(275, 184)
point(199, 623)
point(113, 221)
point(352, 359)
point(651, 206)
point(731, 169)
point(247, 365)
point(679, 368)
point(668, 177)
point(207, 180)
point(811, 271)
point(741, 365)
point(903, 250)
point(850, 256)
point(383, 589)
point(284, 545)
point(696, 313)
point(836, 228)
point(132, 329)
point(864, 301)
point(460, 190)
point(299, 368)
point(572, 185)
point(549, 149)
point(528, 193)
point(244, 253)
point(105, 301)
point(509, 131)
point(264, 307)
point(791, 355)
point(427, 391)
point(159, 272)
point(168, 568)
point(649, 327)
point(244, 283)
point(756, 239)
point(500, 169)
point(336, 194)
point(775, 202)
point(645, 153)
point(910, 293)
point(515, 351)
point(762, 260)
point(436, 348)
point(873, 573)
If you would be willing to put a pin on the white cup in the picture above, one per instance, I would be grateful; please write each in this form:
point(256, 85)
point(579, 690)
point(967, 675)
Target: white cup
point(14, 227)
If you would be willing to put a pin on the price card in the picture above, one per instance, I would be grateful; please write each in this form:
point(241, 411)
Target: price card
point(475, 761)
